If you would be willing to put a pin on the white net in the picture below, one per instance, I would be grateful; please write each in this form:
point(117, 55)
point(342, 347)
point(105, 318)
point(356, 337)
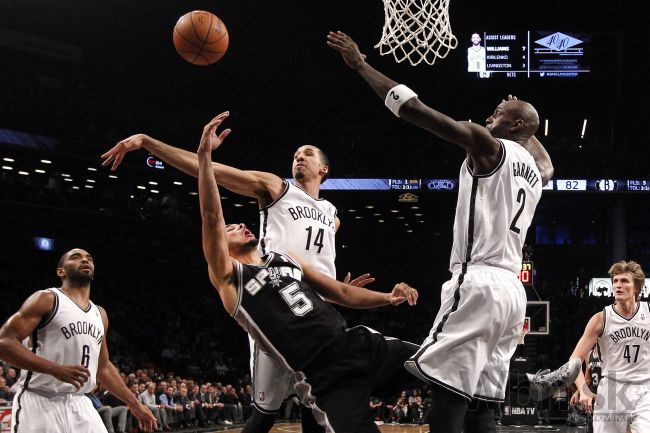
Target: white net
point(417, 30)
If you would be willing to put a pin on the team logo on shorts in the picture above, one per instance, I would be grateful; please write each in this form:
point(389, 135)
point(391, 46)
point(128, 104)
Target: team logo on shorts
point(261, 395)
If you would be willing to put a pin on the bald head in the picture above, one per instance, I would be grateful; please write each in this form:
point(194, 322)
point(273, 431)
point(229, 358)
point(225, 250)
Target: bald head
point(526, 112)
point(514, 120)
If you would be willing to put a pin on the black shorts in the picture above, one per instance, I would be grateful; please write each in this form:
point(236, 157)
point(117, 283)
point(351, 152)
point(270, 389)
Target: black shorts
point(338, 387)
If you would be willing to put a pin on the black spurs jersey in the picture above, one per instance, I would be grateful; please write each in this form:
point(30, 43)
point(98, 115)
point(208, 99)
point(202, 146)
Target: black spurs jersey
point(595, 369)
point(284, 315)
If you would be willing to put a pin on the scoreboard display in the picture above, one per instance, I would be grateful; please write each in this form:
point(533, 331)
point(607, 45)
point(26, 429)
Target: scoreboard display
point(527, 53)
point(526, 273)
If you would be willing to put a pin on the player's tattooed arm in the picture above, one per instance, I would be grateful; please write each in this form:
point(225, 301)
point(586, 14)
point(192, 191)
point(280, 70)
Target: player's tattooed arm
point(20, 326)
point(258, 184)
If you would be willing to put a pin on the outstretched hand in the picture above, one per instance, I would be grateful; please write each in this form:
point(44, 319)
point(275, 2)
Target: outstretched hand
point(210, 140)
point(360, 281)
point(347, 47)
point(116, 154)
point(146, 419)
point(403, 292)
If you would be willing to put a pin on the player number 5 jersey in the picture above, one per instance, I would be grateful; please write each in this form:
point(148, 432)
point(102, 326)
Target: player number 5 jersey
point(494, 210)
point(301, 224)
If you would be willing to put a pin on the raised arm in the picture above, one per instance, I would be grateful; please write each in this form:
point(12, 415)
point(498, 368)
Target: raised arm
point(261, 185)
point(215, 243)
point(110, 379)
point(474, 138)
point(20, 326)
point(542, 159)
point(586, 342)
point(355, 296)
point(539, 153)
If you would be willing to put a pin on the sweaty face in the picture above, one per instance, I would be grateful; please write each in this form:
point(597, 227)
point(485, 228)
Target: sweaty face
point(306, 163)
point(79, 266)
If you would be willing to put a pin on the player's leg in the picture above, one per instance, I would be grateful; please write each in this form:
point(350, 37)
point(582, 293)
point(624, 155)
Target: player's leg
point(82, 417)
point(390, 376)
point(447, 411)
point(641, 410)
point(509, 302)
point(610, 414)
point(480, 417)
point(259, 422)
point(270, 387)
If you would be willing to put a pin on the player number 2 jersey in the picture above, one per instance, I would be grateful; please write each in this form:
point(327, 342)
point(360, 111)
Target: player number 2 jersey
point(624, 346)
point(301, 224)
point(69, 336)
point(494, 210)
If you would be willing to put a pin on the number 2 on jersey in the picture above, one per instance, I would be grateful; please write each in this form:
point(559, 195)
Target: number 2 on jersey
point(318, 240)
point(521, 198)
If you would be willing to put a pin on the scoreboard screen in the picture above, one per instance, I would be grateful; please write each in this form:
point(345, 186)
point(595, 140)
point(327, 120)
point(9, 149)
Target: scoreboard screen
point(527, 53)
point(526, 273)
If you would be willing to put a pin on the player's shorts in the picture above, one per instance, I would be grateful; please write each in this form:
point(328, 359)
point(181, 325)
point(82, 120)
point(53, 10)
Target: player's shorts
point(67, 413)
point(474, 335)
point(272, 382)
point(619, 405)
point(338, 387)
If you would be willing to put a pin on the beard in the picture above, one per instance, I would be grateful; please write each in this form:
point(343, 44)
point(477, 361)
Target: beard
point(299, 175)
point(252, 243)
point(79, 277)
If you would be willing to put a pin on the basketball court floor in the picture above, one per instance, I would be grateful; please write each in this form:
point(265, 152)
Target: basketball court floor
point(413, 428)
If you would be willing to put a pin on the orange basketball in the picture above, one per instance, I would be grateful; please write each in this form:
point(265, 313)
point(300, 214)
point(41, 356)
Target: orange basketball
point(200, 37)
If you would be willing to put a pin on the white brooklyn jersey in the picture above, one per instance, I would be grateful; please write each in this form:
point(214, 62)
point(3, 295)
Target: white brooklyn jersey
point(624, 347)
point(494, 210)
point(69, 336)
point(301, 224)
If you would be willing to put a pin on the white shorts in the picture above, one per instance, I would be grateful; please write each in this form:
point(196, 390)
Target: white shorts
point(272, 382)
point(619, 405)
point(474, 335)
point(67, 413)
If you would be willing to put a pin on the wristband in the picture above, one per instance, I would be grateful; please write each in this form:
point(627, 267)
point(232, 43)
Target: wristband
point(398, 96)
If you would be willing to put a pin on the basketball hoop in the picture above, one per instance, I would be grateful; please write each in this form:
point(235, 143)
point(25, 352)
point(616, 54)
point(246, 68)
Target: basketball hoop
point(417, 30)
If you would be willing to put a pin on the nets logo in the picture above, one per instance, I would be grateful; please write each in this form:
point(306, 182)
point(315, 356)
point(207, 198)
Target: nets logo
point(606, 185)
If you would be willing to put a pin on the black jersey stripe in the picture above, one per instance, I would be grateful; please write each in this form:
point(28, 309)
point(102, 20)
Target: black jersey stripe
point(47, 319)
point(470, 224)
point(638, 307)
point(19, 409)
point(265, 222)
point(277, 199)
point(602, 331)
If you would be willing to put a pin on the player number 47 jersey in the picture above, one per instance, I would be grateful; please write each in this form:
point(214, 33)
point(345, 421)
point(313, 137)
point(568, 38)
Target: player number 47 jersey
point(301, 224)
point(625, 345)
